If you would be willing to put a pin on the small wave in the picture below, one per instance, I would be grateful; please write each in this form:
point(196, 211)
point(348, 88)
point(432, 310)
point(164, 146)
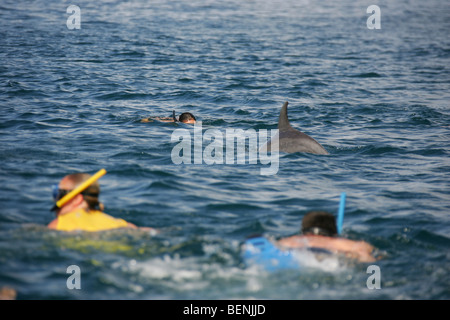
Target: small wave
point(232, 207)
point(130, 53)
point(378, 150)
point(124, 95)
point(367, 75)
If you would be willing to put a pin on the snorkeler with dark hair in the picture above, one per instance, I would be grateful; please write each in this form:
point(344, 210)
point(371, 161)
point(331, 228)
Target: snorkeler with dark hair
point(319, 231)
point(187, 117)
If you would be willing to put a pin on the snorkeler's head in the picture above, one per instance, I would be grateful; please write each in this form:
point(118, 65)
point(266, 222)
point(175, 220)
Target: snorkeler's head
point(187, 117)
point(319, 223)
point(70, 182)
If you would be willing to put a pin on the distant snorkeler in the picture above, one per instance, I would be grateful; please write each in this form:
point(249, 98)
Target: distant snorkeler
point(185, 117)
point(319, 231)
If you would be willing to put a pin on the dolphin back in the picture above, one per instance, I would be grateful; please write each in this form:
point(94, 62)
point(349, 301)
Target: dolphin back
point(297, 141)
point(292, 140)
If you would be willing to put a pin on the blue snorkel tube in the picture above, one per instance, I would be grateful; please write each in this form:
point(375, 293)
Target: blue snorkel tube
point(340, 219)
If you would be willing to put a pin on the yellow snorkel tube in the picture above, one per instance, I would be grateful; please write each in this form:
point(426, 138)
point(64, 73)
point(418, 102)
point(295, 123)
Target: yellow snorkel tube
point(80, 188)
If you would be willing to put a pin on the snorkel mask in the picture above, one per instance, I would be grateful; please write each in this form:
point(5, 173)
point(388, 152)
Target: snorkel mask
point(62, 196)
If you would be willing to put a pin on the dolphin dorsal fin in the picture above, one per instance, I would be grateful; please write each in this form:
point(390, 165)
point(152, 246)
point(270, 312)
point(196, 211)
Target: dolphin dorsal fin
point(283, 121)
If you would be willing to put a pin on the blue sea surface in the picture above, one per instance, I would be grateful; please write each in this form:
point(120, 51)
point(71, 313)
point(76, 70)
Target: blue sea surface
point(72, 100)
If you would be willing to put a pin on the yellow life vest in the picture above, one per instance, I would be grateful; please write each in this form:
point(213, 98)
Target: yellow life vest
point(92, 220)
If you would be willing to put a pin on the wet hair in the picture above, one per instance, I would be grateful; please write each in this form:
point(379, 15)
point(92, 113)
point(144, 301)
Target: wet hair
point(186, 116)
point(319, 223)
point(91, 193)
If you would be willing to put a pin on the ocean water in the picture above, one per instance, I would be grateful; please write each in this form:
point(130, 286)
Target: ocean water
point(71, 100)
